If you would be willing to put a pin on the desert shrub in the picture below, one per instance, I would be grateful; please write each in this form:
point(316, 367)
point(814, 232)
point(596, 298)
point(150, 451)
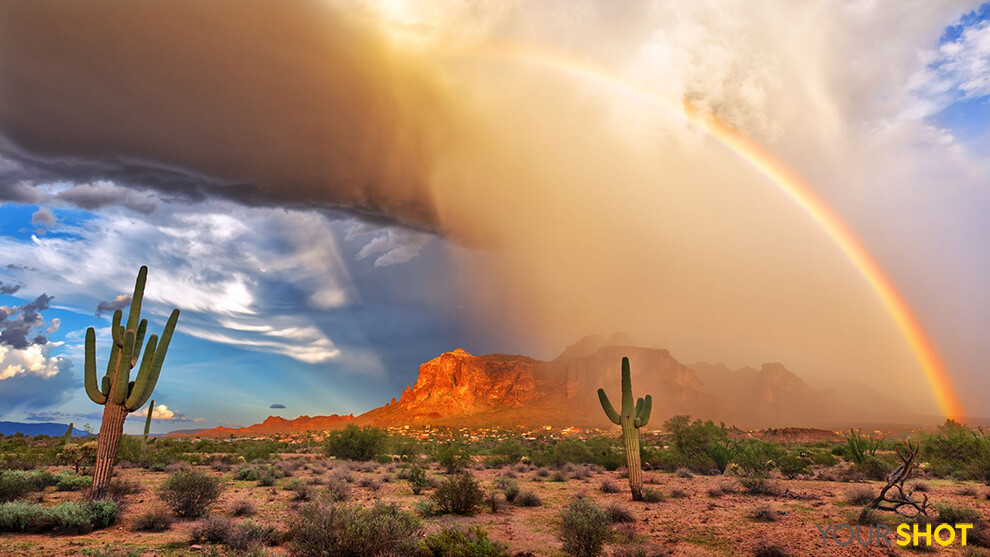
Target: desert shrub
point(418, 480)
point(967, 491)
point(248, 535)
point(321, 528)
point(455, 543)
point(246, 473)
point(213, 529)
point(17, 516)
point(608, 486)
point(300, 489)
point(337, 489)
point(720, 489)
point(684, 473)
point(619, 514)
point(859, 447)
point(820, 458)
point(953, 447)
point(758, 485)
point(860, 495)
point(189, 493)
point(120, 488)
point(652, 496)
point(71, 482)
point(425, 507)
point(103, 513)
point(678, 494)
point(793, 465)
point(73, 517)
point(370, 483)
point(584, 529)
point(873, 468)
point(242, 507)
point(356, 443)
point(508, 487)
point(979, 535)
point(452, 456)
point(765, 514)
point(459, 494)
point(17, 483)
point(495, 501)
point(701, 446)
point(528, 499)
point(154, 520)
point(507, 452)
point(921, 487)
point(757, 458)
point(558, 476)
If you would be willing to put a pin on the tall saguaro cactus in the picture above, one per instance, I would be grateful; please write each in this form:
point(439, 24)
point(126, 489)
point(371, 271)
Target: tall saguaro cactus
point(119, 395)
point(631, 419)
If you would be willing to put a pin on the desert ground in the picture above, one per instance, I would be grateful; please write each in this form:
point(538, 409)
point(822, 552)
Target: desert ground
point(697, 514)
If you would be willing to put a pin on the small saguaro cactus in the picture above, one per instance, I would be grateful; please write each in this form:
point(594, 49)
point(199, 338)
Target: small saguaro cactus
point(147, 421)
point(631, 419)
point(119, 395)
point(68, 432)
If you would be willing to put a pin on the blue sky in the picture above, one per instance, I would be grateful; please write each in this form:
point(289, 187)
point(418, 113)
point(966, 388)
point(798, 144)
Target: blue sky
point(317, 262)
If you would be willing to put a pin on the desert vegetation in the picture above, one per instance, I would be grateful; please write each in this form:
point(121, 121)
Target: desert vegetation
point(704, 486)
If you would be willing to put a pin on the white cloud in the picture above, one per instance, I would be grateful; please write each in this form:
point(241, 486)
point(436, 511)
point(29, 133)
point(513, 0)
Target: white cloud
point(225, 266)
point(33, 360)
point(396, 245)
point(164, 413)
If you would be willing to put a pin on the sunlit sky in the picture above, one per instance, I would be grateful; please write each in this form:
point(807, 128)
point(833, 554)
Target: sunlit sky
point(333, 195)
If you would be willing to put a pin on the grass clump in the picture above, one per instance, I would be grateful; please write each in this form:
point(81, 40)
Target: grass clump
point(242, 507)
point(608, 486)
point(860, 496)
point(189, 493)
point(653, 496)
point(509, 487)
point(528, 499)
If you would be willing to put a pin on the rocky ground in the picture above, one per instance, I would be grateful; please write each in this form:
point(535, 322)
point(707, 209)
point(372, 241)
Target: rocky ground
point(699, 515)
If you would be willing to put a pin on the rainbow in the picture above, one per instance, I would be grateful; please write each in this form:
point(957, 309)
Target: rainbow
point(786, 180)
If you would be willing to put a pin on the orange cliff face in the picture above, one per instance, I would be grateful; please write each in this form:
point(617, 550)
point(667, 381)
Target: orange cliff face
point(460, 384)
point(273, 425)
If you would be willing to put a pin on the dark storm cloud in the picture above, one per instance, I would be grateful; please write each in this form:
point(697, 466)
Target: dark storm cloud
point(15, 332)
point(9, 288)
point(120, 302)
point(283, 103)
point(277, 406)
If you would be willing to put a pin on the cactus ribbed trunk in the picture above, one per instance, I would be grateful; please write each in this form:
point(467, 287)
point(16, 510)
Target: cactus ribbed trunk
point(630, 441)
point(111, 430)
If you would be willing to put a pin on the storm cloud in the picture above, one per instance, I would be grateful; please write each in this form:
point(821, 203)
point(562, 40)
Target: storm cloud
point(293, 104)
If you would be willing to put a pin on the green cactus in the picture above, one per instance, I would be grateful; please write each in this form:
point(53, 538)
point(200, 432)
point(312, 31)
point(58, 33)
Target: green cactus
point(147, 421)
point(119, 395)
point(68, 432)
point(632, 418)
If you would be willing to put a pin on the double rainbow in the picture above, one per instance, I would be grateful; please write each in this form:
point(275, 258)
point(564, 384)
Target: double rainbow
point(786, 180)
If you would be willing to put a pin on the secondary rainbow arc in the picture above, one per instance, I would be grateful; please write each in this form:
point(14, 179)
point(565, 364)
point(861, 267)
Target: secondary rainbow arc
point(785, 179)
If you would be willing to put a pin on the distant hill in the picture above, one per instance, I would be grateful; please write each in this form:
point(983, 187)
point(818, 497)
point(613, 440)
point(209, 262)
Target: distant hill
point(31, 429)
point(458, 389)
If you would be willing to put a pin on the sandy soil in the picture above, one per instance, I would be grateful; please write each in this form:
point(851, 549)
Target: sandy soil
point(695, 523)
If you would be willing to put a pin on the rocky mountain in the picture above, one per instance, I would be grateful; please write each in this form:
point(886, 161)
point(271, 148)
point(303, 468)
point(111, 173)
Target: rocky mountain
point(271, 425)
point(459, 389)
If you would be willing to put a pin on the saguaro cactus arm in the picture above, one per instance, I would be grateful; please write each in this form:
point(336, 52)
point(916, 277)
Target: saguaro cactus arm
point(149, 375)
point(643, 411)
point(92, 389)
point(609, 409)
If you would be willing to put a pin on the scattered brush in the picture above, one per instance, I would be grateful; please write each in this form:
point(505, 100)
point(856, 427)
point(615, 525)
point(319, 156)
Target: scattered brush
point(528, 499)
point(495, 501)
point(653, 496)
point(558, 476)
point(721, 489)
point(765, 514)
point(968, 491)
point(684, 473)
point(608, 486)
point(155, 520)
point(921, 487)
point(618, 514)
point(678, 494)
point(370, 483)
point(242, 507)
point(861, 495)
